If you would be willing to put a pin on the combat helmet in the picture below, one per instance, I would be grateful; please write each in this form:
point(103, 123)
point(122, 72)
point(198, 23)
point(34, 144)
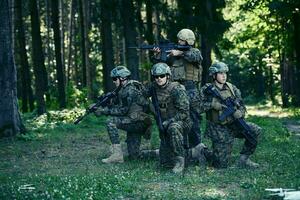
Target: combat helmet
point(120, 71)
point(217, 67)
point(187, 35)
point(160, 68)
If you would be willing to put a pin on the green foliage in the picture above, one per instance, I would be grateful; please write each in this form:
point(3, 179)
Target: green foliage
point(39, 126)
point(76, 97)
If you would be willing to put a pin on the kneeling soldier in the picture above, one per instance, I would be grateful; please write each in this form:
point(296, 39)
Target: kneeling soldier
point(128, 115)
point(223, 131)
point(171, 105)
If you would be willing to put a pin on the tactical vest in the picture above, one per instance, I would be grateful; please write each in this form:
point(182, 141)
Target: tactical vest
point(166, 103)
point(184, 70)
point(213, 115)
point(136, 110)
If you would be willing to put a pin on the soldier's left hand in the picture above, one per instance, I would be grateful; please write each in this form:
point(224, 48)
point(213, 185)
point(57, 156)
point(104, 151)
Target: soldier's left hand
point(174, 52)
point(166, 124)
point(102, 111)
point(237, 114)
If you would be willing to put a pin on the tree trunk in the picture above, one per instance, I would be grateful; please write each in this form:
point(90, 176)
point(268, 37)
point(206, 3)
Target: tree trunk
point(206, 54)
point(285, 82)
point(38, 59)
point(59, 67)
point(271, 85)
point(85, 12)
point(82, 45)
point(157, 30)
point(149, 13)
point(130, 33)
point(48, 50)
point(10, 120)
point(140, 22)
point(27, 93)
point(296, 23)
point(62, 32)
point(107, 44)
point(71, 31)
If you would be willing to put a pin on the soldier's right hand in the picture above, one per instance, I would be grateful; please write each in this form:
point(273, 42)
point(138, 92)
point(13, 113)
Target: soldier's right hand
point(156, 50)
point(215, 104)
point(92, 107)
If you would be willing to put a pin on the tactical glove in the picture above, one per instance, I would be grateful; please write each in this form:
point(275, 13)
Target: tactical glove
point(237, 114)
point(166, 124)
point(216, 104)
point(102, 111)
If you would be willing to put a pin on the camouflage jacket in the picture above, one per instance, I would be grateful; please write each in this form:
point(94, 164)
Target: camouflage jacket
point(173, 101)
point(228, 90)
point(130, 101)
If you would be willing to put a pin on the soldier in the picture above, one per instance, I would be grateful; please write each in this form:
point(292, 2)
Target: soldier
point(173, 106)
point(187, 70)
point(222, 133)
point(128, 115)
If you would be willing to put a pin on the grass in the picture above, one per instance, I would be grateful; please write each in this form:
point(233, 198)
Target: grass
point(58, 160)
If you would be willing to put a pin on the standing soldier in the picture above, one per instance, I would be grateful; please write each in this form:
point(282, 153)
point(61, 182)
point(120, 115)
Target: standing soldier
point(222, 133)
point(128, 115)
point(187, 70)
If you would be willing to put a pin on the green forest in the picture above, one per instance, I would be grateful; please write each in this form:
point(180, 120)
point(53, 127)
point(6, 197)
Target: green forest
point(56, 60)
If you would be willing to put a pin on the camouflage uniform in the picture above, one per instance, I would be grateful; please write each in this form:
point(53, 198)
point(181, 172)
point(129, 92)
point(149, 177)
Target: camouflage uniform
point(222, 134)
point(187, 70)
point(174, 108)
point(128, 114)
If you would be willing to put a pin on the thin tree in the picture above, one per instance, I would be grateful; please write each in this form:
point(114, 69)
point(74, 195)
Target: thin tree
point(41, 80)
point(130, 33)
point(71, 34)
point(27, 93)
point(59, 66)
point(10, 120)
point(107, 43)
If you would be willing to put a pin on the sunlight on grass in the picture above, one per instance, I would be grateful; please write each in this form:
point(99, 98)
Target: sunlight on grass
point(214, 192)
point(270, 111)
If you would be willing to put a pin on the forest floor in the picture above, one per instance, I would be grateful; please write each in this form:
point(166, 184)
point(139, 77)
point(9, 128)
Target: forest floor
point(59, 160)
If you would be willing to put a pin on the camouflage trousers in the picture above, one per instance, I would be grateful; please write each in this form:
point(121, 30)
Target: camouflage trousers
point(222, 137)
point(194, 135)
point(171, 144)
point(134, 129)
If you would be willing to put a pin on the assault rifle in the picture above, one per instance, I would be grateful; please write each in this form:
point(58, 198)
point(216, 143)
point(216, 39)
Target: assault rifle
point(229, 110)
point(161, 129)
point(165, 48)
point(102, 101)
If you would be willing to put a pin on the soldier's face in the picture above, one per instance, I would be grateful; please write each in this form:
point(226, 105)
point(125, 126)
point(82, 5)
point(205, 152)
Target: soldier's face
point(117, 82)
point(221, 77)
point(160, 79)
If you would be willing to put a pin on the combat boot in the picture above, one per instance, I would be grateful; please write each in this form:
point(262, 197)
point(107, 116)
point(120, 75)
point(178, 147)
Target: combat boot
point(150, 154)
point(116, 156)
point(179, 165)
point(245, 162)
point(198, 153)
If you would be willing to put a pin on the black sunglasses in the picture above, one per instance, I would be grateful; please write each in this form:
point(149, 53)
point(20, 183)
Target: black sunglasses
point(160, 76)
point(115, 78)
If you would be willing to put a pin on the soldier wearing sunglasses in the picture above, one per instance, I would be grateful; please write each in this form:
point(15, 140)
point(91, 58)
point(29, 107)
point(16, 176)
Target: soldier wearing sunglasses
point(128, 115)
point(174, 112)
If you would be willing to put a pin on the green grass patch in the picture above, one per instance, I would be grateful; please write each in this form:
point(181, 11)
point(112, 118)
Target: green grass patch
point(60, 160)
